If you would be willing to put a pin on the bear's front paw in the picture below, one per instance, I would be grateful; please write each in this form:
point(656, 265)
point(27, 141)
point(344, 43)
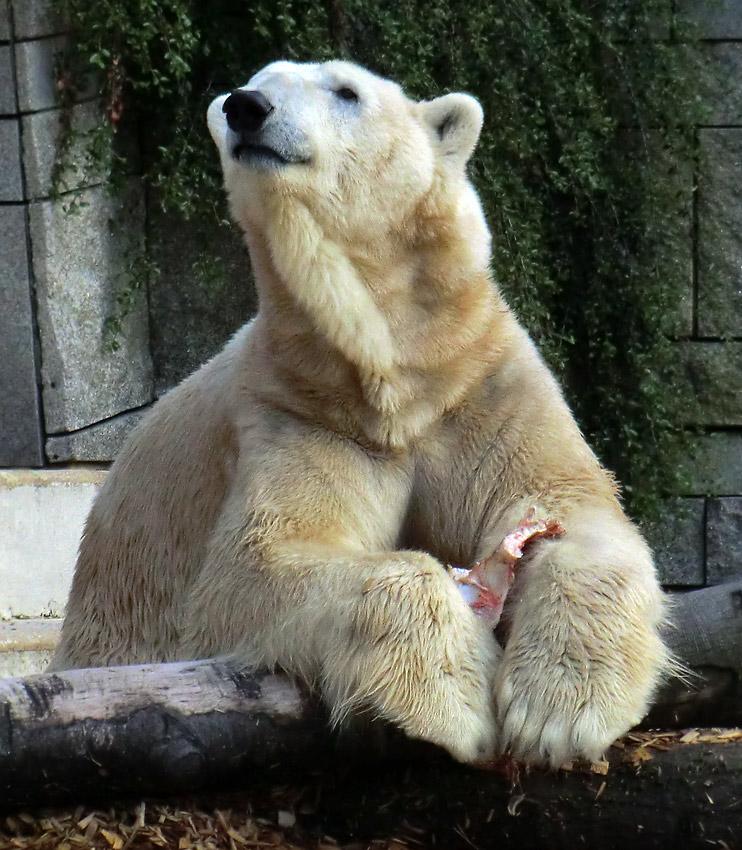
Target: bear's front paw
point(451, 703)
point(552, 714)
point(414, 654)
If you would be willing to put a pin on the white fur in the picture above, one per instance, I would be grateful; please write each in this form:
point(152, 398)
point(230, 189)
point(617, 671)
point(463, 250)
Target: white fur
point(294, 501)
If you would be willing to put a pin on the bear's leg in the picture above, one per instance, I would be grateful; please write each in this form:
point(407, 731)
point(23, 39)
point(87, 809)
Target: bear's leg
point(386, 633)
point(300, 572)
point(584, 654)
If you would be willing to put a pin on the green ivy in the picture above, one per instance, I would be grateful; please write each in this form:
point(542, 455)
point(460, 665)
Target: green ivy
point(585, 166)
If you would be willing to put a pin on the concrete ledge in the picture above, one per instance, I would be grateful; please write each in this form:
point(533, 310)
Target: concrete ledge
point(33, 635)
point(11, 478)
point(26, 646)
point(42, 514)
point(24, 663)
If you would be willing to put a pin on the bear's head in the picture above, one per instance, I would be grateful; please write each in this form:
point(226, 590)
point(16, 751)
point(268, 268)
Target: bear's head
point(346, 142)
point(355, 202)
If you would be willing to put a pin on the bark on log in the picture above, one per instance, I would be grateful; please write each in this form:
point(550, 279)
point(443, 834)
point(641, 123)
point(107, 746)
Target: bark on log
point(705, 634)
point(149, 729)
point(688, 796)
point(156, 729)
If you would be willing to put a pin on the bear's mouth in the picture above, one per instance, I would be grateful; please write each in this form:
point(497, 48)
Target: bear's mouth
point(253, 153)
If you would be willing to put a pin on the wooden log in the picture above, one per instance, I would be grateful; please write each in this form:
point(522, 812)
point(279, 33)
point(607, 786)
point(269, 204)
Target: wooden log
point(174, 727)
point(705, 634)
point(684, 795)
point(655, 792)
point(152, 728)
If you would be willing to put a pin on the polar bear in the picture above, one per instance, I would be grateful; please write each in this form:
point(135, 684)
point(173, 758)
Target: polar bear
point(293, 503)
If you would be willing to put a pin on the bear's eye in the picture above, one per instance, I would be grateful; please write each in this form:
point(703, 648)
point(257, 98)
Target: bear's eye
point(346, 93)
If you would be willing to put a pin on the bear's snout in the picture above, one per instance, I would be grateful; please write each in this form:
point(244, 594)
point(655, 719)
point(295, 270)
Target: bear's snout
point(246, 110)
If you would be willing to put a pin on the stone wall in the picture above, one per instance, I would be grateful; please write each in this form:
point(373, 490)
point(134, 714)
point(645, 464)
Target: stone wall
point(64, 388)
point(702, 539)
point(69, 396)
point(72, 389)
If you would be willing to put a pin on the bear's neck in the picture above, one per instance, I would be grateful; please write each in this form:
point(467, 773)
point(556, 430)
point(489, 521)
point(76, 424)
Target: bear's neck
point(398, 333)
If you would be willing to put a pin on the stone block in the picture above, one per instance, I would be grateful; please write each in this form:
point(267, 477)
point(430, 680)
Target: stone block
point(36, 18)
point(714, 371)
point(7, 83)
point(715, 465)
point(677, 540)
point(42, 514)
point(203, 294)
point(4, 21)
point(661, 24)
point(85, 255)
point(36, 69)
point(20, 417)
point(719, 226)
point(97, 443)
point(720, 19)
point(11, 183)
point(721, 72)
point(655, 152)
point(666, 153)
point(724, 539)
point(42, 137)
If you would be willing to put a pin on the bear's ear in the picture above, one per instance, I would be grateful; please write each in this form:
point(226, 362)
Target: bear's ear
point(456, 120)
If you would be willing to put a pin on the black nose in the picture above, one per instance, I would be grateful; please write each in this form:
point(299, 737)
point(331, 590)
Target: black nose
point(246, 110)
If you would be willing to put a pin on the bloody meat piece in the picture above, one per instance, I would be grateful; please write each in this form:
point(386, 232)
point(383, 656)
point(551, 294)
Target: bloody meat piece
point(485, 586)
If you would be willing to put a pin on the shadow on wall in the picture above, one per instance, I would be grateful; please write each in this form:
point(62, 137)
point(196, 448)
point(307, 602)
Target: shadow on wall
point(193, 314)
